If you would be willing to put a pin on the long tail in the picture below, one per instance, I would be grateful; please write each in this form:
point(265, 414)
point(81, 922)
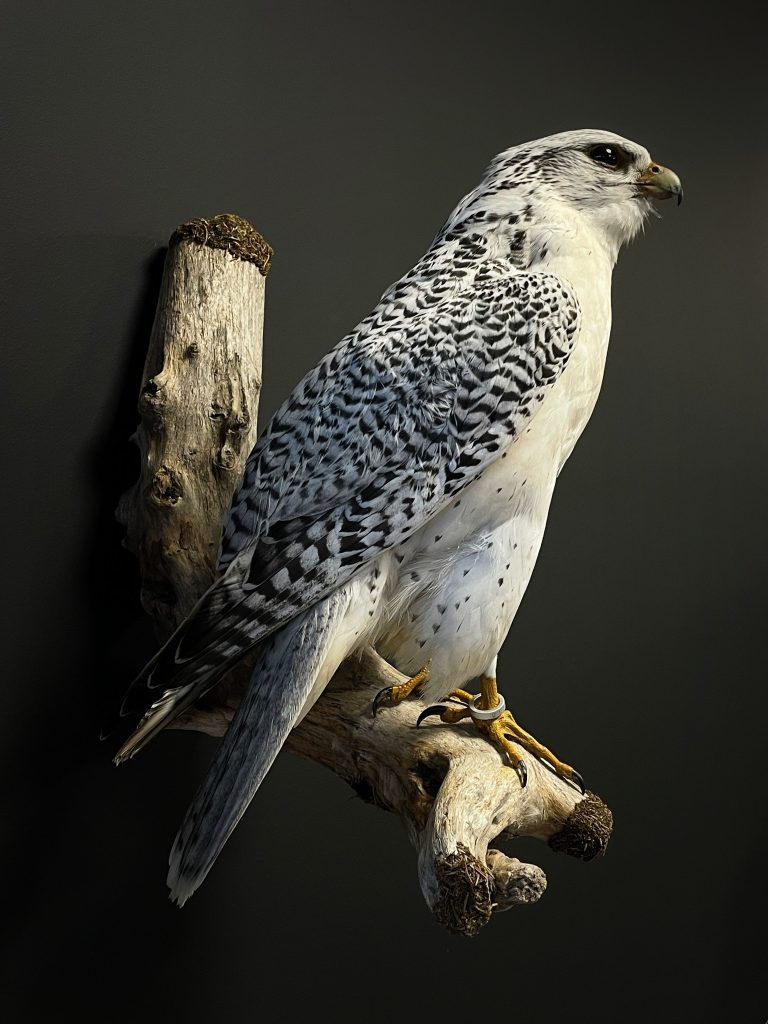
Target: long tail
point(282, 681)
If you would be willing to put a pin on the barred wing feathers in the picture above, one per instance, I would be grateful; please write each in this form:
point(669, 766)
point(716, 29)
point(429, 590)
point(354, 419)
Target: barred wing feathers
point(386, 430)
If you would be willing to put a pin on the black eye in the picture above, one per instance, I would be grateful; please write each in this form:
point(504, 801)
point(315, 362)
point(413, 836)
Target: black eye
point(609, 156)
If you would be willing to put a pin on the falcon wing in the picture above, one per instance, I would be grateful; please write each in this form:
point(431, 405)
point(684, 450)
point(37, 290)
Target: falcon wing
point(374, 441)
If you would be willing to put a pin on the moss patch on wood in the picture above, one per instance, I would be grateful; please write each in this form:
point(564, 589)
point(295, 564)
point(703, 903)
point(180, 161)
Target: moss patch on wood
point(229, 232)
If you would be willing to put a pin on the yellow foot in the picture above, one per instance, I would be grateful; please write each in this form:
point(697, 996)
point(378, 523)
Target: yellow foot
point(488, 711)
point(391, 696)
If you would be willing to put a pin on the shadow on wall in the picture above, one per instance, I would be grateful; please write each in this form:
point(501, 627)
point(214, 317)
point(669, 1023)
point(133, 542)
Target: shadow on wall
point(91, 648)
point(114, 468)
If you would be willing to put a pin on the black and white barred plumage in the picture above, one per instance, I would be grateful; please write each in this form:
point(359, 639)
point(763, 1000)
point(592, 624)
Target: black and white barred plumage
point(399, 466)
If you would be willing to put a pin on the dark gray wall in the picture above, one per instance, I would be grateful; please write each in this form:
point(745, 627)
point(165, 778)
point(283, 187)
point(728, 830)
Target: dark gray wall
point(346, 132)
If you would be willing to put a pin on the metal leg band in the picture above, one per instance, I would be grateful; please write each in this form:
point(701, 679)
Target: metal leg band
point(486, 714)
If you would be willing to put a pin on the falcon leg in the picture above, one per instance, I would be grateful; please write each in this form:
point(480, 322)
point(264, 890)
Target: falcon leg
point(489, 713)
point(391, 696)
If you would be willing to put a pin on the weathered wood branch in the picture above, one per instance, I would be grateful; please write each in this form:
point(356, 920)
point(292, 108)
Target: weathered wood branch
point(451, 789)
point(198, 403)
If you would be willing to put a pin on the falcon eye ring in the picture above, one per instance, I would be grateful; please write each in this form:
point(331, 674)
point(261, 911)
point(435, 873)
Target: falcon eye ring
point(608, 156)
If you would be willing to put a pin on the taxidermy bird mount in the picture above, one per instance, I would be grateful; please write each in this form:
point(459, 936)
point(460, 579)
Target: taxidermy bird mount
point(386, 522)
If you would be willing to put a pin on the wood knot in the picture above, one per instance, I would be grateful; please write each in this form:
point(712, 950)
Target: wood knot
point(166, 487)
point(225, 458)
point(430, 773)
point(153, 398)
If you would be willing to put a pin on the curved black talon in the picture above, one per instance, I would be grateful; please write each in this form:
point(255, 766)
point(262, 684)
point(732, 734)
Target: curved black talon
point(381, 696)
point(575, 778)
point(435, 709)
point(520, 767)
point(522, 773)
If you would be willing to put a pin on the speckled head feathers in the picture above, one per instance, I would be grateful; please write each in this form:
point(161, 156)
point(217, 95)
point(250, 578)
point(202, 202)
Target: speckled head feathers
point(593, 173)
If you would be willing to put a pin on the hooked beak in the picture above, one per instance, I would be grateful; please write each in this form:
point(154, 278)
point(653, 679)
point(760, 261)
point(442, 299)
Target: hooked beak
point(659, 182)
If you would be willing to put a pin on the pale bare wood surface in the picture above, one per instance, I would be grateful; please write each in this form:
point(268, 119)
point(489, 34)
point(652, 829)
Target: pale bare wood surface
point(198, 403)
point(451, 789)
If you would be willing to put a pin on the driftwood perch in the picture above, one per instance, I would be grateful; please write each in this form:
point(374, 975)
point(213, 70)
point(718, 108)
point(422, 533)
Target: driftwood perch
point(450, 787)
point(198, 403)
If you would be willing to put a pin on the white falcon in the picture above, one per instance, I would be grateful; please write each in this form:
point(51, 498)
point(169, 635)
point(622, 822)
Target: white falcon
point(399, 496)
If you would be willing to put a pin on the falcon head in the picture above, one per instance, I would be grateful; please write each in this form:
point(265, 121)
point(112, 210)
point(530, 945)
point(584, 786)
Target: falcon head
point(550, 182)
